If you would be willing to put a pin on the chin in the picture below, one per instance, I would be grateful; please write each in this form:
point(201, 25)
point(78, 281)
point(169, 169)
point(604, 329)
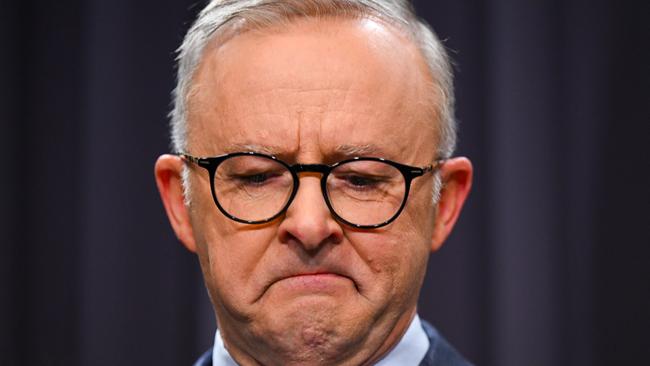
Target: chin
point(314, 330)
point(313, 341)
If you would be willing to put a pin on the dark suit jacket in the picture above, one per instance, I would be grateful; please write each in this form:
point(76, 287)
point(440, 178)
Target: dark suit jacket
point(440, 353)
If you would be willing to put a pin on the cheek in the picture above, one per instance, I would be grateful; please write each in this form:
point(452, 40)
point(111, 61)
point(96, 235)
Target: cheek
point(412, 252)
point(419, 214)
point(229, 254)
point(234, 258)
point(395, 258)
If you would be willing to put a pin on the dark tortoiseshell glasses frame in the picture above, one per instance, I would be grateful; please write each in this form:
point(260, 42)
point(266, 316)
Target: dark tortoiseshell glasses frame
point(409, 173)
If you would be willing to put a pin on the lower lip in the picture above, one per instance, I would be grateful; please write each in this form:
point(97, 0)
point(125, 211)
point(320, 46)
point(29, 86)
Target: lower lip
point(319, 282)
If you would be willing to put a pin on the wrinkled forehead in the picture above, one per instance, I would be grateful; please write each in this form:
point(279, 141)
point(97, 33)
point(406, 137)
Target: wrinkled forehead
point(341, 82)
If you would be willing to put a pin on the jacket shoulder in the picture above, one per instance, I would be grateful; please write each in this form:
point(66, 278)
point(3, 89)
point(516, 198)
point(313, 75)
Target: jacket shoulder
point(440, 352)
point(205, 359)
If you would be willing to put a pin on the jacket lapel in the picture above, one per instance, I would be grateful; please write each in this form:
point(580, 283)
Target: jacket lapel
point(440, 352)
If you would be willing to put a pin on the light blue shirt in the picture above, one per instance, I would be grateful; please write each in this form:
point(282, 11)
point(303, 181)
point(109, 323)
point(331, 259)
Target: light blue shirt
point(410, 350)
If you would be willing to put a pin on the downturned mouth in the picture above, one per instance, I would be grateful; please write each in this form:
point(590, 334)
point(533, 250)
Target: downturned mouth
point(324, 273)
point(316, 282)
point(310, 281)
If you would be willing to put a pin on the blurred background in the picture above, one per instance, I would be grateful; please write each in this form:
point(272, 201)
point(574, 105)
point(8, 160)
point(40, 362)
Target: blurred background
point(549, 262)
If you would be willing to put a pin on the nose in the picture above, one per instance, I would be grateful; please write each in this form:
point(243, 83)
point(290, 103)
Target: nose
point(308, 221)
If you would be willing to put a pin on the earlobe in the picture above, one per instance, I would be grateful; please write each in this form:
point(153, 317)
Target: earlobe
point(168, 170)
point(456, 176)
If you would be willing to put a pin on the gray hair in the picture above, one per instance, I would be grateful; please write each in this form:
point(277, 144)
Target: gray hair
point(220, 16)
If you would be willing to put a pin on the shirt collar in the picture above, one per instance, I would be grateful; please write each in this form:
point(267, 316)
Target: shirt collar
point(410, 350)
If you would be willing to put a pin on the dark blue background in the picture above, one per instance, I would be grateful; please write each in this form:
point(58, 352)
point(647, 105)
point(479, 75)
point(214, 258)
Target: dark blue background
point(548, 264)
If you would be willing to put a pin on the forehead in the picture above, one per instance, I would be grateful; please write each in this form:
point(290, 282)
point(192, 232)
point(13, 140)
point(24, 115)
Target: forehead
point(315, 86)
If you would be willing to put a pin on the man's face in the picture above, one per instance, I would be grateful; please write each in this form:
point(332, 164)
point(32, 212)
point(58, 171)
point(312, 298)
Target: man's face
point(306, 287)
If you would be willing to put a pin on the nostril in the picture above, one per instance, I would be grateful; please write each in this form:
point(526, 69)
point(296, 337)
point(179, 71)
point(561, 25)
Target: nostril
point(286, 237)
point(309, 232)
point(310, 243)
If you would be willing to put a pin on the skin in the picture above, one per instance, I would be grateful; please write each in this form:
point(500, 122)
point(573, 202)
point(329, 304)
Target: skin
point(306, 289)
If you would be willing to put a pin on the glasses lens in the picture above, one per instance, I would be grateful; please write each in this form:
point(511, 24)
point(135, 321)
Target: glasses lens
point(366, 192)
point(252, 188)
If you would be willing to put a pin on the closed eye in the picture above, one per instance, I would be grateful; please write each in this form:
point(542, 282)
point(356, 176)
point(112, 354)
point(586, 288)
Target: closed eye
point(255, 180)
point(359, 182)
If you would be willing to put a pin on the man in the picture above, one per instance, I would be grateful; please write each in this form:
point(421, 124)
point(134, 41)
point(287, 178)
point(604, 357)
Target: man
point(313, 177)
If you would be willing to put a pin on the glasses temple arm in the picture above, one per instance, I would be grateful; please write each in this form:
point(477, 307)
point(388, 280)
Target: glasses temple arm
point(434, 167)
point(189, 158)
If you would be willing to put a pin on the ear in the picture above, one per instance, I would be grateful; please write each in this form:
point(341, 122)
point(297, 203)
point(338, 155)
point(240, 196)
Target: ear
point(456, 177)
point(168, 178)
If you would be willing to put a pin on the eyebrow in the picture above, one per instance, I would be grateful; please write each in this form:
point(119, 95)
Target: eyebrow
point(264, 149)
point(340, 151)
point(359, 150)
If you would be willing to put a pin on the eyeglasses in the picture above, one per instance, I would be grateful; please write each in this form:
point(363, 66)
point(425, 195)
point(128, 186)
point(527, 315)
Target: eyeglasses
point(363, 192)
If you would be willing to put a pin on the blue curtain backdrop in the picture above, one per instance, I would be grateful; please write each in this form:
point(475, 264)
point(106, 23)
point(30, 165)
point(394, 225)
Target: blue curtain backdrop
point(548, 265)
